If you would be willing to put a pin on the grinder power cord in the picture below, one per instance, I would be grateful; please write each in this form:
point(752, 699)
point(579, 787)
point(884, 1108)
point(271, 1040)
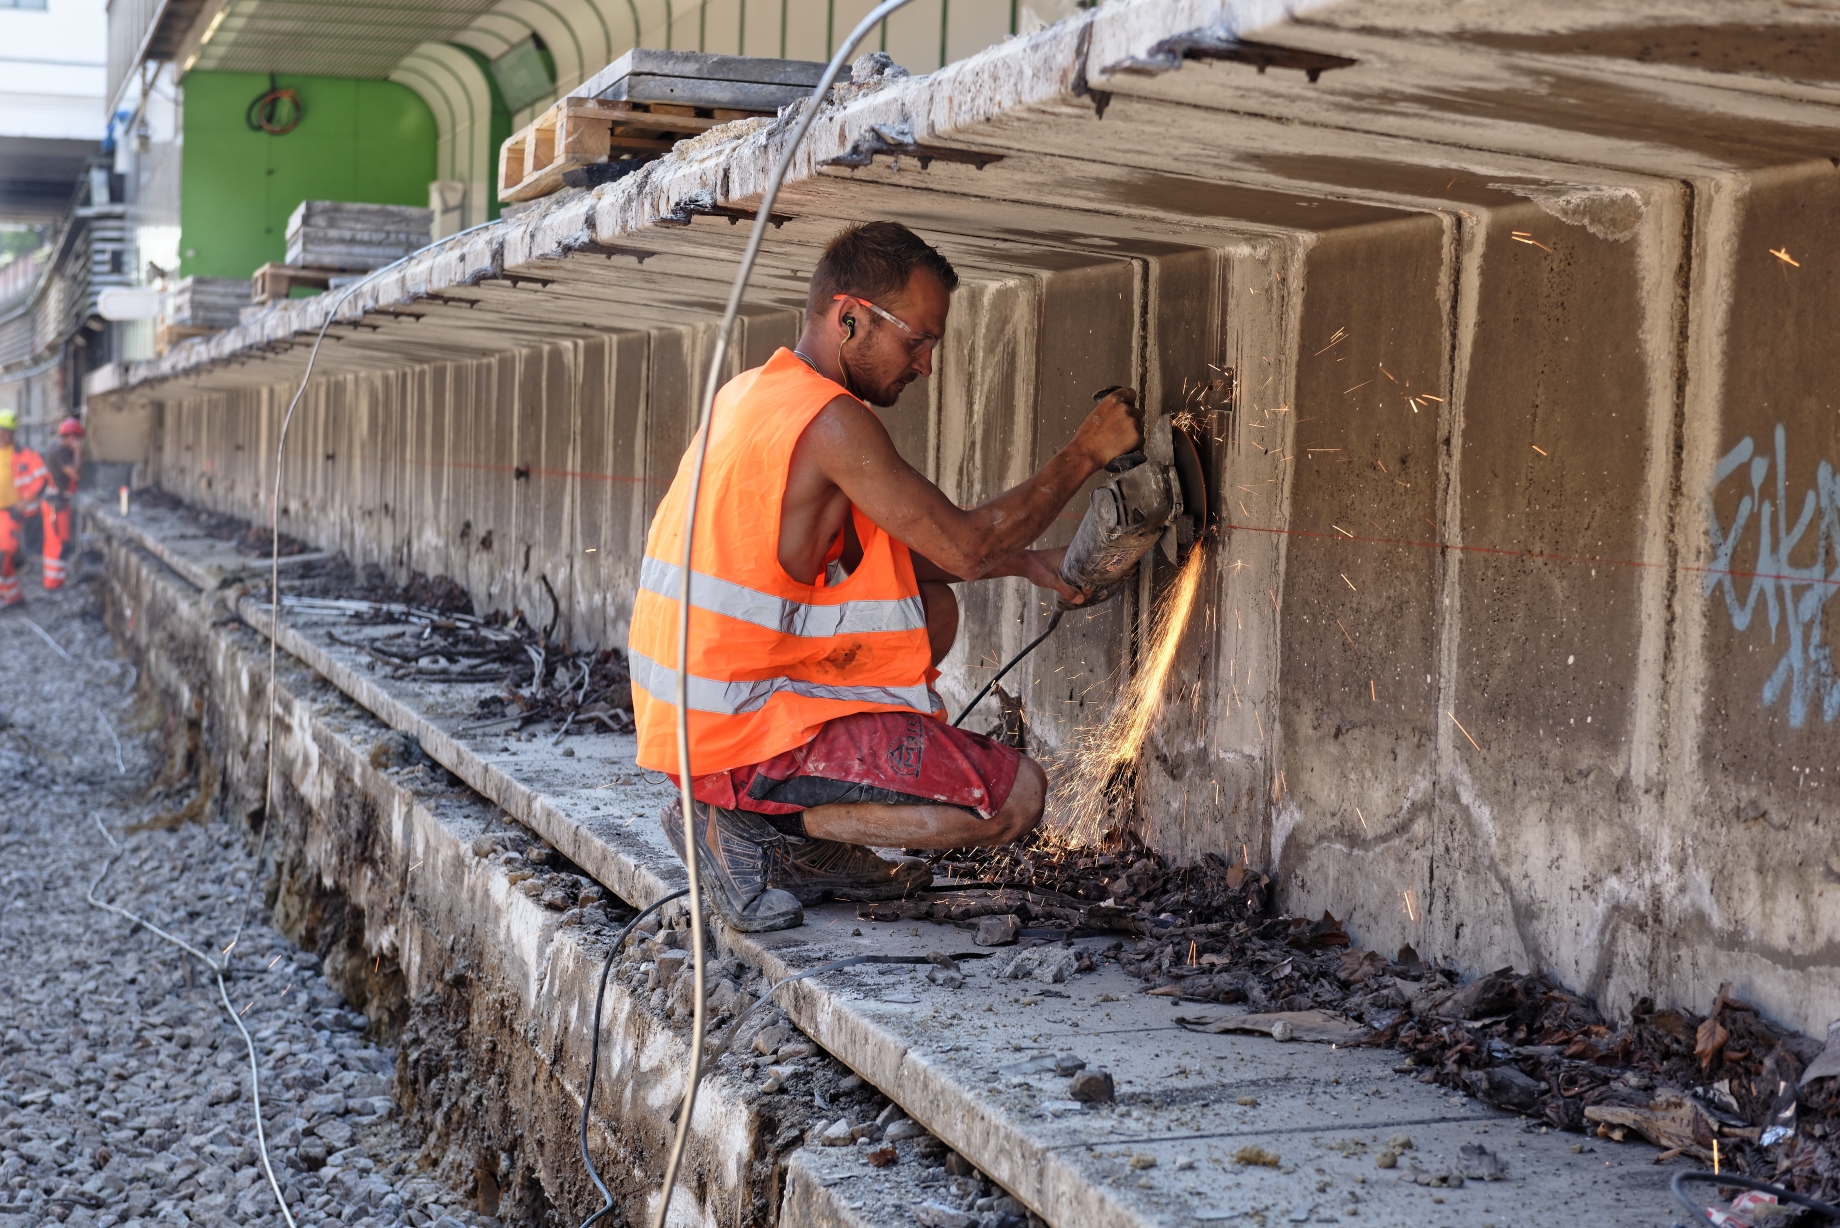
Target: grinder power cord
point(1155, 497)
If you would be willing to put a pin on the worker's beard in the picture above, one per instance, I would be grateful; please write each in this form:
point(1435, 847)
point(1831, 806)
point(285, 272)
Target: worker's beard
point(876, 388)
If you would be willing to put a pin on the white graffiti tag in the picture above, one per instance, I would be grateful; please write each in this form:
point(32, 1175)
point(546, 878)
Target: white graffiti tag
point(1794, 596)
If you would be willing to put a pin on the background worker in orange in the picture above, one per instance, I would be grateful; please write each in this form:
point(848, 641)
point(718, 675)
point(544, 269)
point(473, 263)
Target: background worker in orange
point(821, 603)
point(23, 479)
point(66, 467)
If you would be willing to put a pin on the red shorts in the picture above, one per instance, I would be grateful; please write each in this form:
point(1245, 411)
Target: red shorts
point(890, 758)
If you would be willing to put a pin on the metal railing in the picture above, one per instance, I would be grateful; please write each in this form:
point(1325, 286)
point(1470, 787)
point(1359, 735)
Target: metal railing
point(131, 23)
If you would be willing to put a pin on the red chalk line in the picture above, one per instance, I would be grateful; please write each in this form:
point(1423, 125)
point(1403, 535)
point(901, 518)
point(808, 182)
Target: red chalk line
point(1541, 555)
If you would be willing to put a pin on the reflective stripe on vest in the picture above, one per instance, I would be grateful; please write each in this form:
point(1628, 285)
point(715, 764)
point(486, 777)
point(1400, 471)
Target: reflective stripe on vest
point(731, 698)
point(809, 621)
point(771, 657)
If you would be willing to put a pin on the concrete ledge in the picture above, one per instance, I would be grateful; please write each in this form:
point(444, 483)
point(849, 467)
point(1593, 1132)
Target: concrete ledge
point(966, 1063)
point(378, 866)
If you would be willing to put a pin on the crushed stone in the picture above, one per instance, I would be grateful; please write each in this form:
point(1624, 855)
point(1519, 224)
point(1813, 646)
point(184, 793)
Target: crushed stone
point(124, 1088)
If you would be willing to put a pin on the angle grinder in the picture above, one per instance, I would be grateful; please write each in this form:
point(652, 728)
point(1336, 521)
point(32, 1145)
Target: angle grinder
point(1154, 497)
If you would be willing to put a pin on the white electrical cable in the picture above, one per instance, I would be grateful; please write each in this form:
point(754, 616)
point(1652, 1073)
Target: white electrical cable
point(217, 970)
point(274, 547)
point(46, 636)
point(718, 358)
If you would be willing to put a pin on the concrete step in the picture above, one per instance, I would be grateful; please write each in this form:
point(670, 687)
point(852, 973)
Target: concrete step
point(427, 932)
point(966, 1064)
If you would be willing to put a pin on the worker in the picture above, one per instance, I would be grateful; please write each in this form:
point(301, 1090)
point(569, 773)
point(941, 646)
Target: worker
point(821, 605)
point(22, 486)
point(66, 468)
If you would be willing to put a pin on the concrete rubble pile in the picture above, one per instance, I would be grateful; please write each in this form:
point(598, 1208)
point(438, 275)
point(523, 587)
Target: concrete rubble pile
point(1766, 1095)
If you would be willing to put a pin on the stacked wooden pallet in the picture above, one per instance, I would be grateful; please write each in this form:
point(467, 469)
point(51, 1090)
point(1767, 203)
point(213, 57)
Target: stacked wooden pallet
point(331, 234)
point(635, 109)
point(168, 335)
point(330, 239)
point(206, 302)
point(277, 281)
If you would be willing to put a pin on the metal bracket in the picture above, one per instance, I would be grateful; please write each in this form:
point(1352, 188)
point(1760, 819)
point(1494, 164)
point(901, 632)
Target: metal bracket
point(897, 141)
point(1168, 55)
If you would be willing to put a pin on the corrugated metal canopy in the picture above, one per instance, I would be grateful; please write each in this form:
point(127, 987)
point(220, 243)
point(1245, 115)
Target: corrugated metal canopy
point(331, 37)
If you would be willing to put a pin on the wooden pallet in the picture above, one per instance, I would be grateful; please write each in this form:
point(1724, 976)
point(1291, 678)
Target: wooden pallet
point(579, 132)
point(277, 281)
point(168, 335)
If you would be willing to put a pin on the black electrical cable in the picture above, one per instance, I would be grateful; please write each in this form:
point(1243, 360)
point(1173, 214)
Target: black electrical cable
point(1027, 648)
point(594, 1050)
point(1782, 1194)
point(699, 453)
point(277, 112)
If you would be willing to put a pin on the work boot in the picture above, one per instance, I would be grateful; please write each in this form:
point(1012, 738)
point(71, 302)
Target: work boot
point(734, 850)
point(812, 868)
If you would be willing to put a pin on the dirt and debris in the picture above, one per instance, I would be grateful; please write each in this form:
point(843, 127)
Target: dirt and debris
point(253, 540)
point(437, 634)
point(1677, 1079)
point(1516, 1041)
point(541, 678)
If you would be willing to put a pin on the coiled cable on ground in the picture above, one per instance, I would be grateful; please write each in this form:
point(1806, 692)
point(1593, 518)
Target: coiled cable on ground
point(717, 360)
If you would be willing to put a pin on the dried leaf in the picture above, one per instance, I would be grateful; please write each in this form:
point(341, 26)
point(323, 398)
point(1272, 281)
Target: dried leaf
point(1709, 1041)
point(1359, 967)
point(1669, 1122)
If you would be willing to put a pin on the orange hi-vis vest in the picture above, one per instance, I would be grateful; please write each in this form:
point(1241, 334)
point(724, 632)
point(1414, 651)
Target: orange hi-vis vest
point(771, 658)
point(30, 477)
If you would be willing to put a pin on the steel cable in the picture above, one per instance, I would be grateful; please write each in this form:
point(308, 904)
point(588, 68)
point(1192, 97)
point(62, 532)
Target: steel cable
point(717, 360)
point(274, 547)
point(217, 970)
point(594, 1050)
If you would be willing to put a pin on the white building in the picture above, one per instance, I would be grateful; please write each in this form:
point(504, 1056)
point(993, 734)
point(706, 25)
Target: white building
point(52, 107)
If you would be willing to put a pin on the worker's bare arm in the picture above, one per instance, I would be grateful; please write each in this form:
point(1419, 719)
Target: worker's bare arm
point(1041, 568)
point(847, 448)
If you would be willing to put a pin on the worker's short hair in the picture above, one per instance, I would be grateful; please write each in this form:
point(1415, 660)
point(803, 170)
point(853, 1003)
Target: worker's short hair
point(873, 260)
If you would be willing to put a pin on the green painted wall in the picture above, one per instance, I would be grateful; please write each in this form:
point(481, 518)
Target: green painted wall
point(358, 140)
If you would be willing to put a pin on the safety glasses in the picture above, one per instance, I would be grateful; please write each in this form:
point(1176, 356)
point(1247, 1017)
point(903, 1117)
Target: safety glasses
point(916, 343)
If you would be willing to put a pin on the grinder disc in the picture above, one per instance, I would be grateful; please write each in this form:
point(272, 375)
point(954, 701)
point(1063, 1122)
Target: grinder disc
point(1189, 474)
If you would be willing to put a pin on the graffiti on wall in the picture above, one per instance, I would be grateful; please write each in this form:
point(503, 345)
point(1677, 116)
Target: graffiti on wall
point(1793, 594)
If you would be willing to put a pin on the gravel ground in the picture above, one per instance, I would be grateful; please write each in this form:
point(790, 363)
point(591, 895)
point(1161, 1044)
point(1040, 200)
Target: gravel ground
point(125, 1092)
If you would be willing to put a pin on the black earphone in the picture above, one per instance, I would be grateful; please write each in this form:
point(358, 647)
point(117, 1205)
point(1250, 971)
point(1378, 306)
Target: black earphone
point(849, 328)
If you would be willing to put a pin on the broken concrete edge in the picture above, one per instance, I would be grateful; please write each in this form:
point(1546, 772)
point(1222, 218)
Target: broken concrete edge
point(1052, 67)
point(967, 1122)
point(480, 976)
point(953, 1112)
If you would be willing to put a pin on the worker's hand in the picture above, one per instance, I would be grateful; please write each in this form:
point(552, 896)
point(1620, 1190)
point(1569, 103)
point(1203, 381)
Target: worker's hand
point(1115, 426)
point(1042, 568)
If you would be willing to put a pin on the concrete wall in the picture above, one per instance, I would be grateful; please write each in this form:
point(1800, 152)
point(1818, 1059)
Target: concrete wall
point(1458, 636)
point(1511, 642)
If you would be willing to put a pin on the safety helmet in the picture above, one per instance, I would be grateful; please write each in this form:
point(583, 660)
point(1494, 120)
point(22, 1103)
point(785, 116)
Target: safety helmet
point(9, 421)
point(70, 428)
